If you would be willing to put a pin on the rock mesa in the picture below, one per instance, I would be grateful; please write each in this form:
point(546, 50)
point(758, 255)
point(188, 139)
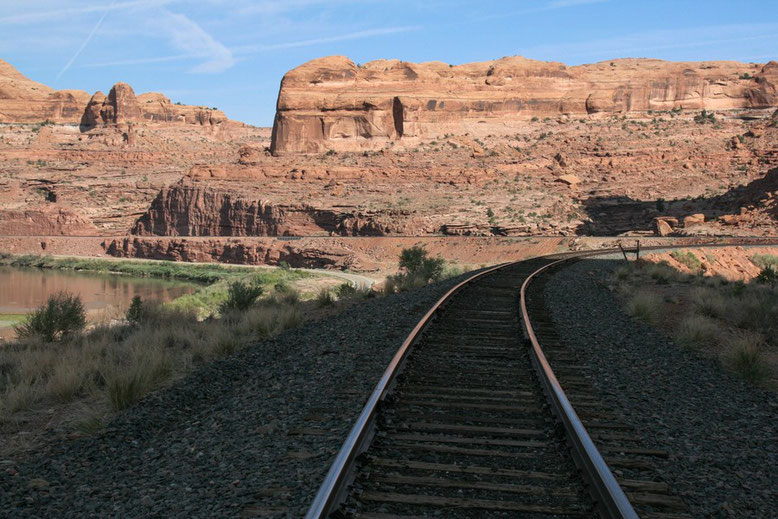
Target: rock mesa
point(334, 104)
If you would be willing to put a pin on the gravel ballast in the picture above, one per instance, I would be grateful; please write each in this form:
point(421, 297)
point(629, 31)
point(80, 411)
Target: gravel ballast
point(252, 434)
point(721, 432)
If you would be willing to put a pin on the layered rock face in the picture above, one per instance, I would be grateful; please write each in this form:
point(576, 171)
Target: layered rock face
point(45, 222)
point(25, 101)
point(196, 209)
point(333, 104)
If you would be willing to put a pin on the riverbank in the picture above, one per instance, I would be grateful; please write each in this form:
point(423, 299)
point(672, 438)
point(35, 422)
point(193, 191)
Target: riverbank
point(213, 279)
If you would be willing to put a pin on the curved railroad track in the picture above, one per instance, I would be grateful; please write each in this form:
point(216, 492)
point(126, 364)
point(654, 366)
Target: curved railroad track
point(470, 420)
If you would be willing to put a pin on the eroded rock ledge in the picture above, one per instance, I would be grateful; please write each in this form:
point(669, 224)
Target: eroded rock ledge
point(334, 104)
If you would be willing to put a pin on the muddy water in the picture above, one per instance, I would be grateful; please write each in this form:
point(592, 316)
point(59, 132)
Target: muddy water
point(104, 295)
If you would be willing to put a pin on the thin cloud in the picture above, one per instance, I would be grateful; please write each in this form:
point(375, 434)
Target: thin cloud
point(255, 49)
point(85, 43)
point(369, 33)
point(62, 13)
point(188, 36)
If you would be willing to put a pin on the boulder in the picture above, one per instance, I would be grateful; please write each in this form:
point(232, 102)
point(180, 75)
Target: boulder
point(693, 219)
point(570, 180)
point(662, 227)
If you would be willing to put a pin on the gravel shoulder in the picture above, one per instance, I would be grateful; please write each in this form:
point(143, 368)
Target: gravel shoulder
point(722, 433)
point(254, 433)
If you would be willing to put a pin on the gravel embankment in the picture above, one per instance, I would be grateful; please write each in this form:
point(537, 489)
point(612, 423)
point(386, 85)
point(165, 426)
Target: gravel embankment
point(253, 433)
point(722, 433)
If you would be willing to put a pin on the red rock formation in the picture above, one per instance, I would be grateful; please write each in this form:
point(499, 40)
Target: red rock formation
point(331, 103)
point(44, 222)
point(267, 252)
point(196, 209)
point(25, 101)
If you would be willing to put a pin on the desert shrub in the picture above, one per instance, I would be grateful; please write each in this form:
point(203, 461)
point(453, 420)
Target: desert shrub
point(345, 291)
point(705, 117)
point(144, 371)
point(765, 260)
point(661, 272)
point(688, 259)
point(285, 294)
point(769, 274)
point(417, 264)
point(745, 357)
point(695, 331)
point(325, 298)
point(711, 302)
point(240, 297)
point(63, 314)
point(137, 312)
point(645, 305)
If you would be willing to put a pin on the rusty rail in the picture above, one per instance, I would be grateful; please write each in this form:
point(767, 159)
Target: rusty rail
point(606, 491)
point(341, 473)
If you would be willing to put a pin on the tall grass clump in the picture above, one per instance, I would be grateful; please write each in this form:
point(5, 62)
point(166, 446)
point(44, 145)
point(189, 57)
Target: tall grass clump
point(711, 302)
point(745, 357)
point(698, 331)
point(688, 259)
point(324, 298)
point(646, 306)
point(240, 297)
point(63, 314)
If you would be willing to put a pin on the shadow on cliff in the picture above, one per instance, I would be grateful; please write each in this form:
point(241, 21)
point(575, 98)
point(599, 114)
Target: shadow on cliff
point(611, 215)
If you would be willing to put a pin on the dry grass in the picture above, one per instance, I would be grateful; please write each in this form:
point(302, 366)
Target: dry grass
point(646, 306)
point(698, 332)
point(736, 322)
point(123, 363)
point(745, 356)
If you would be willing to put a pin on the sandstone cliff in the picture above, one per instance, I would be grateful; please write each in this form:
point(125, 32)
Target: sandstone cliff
point(25, 101)
point(197, 209)
point(333, 104)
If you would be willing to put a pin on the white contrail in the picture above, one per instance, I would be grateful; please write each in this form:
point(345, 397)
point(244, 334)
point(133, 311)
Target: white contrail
point(86, 42)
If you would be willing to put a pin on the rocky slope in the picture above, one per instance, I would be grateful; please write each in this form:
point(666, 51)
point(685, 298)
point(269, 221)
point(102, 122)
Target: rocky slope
point(333, 104)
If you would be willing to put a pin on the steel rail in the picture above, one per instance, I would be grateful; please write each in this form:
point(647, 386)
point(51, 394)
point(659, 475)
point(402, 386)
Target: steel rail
point(341, 473)
point(606, 491)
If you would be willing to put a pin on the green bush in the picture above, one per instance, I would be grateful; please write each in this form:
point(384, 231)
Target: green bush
point(240, 296)
point(345, 290)
point(705, 117)
point(688, 259)
point(417, 265)
point(63, 314)
point(769, 274)
point(325, 298)
point(137, 312)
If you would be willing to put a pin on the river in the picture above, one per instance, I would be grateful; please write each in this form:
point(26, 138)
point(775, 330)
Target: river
point(104, 295)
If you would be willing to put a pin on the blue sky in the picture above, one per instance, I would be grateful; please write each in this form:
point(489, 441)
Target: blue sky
point(233, 53)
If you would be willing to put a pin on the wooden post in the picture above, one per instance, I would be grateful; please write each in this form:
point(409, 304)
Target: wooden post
point(623, 252)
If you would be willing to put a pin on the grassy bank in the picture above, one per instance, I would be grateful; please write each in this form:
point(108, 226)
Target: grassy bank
point(213, 278)
point(732, 321)
point(196, 272)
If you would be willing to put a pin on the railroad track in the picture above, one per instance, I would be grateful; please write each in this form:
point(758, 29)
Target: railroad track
point(470, 421)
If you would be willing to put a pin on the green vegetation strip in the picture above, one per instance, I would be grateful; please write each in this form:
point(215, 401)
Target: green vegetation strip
point(204, 301)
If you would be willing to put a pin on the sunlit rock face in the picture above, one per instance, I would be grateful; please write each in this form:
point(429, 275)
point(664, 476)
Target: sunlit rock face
point(332, 103)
